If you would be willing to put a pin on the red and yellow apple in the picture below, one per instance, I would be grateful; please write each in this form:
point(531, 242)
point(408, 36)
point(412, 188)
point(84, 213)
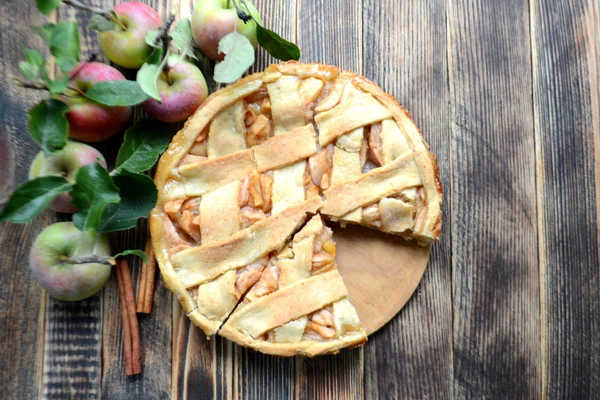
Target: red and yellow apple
point(66, 163)
point(182, 89)
point(89, 121)
point(213, 19)
point(49, 260)
point(127, 47)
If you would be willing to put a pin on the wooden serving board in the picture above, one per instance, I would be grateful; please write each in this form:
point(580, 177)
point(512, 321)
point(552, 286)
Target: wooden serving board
point(381, 272)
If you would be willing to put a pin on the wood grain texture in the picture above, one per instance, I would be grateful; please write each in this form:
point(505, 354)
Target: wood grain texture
point(155, 328)
point(494, 247)
point(73, 333)
point(22, 303)
point(331, 33)
point(412, 66)
point(567, 126)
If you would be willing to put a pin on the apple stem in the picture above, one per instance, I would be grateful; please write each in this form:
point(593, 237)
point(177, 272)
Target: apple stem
point(243, 15)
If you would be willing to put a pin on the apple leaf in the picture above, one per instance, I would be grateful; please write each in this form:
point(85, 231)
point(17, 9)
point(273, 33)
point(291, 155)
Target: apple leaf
point(147, 78)
point(57, 85)
point(44, 31)
point(138, 197)
point(144, 142)
point(33, 57)
point(29, 71)
point(92, 193)
point(239, 56)
point(99, 23)
point(151, 37)
point(116, 93)
point(182, 37)
point(64, 45)
point(47, 6)
point(138, 253)
point(275, 45)
point(155, 57)
point(33, 197)
point(48, 125)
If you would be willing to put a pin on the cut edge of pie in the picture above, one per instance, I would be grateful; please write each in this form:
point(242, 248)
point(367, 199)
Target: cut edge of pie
point(384, 164)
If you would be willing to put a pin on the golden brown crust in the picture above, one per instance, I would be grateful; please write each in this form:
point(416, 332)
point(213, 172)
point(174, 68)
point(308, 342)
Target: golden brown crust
point(171, 176)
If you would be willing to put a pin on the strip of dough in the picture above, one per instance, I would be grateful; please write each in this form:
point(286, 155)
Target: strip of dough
point(392, 178)
point(201, 264)
point(286, 148)
point(203, 176)
point(227, 131)
point(359, 111)
point(220, 213)
point(286, 104)
point(288, 303)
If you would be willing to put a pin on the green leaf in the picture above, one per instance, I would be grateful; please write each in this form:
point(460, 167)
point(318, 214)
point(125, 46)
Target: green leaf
point(48, 125)
point(144, 142)
point(156, 56)
point(64, 45)
point(93, 191)
point(182, 37)
point(116, 93)
point(47, 6)
point(58, 85)
point(239, 56)
point(151, 37)
point(29, 71)
point(44, 31)
point(33, 197)
point(34, 57)
point(138, 253)
point(99, 23)
point(275, 45)
point(138, 197)
point(147, 77)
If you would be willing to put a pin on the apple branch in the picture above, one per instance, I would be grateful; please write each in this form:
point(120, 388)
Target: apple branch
point(243, 15)
point(41, 86)
point(163, 33)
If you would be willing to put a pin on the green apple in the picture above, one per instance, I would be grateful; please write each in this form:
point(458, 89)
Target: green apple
point(213, 19)
point(66, 163)
point(48, 260)
point(127, 47)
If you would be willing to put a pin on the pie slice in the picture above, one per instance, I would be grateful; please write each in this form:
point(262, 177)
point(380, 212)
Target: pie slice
point(247, 183)
point(300, 304)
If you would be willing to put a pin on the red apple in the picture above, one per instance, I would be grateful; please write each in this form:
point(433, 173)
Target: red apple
point(127, 47)
point(182, 89)
point(90, 121)
point(65, 163)
point(213, 19)
point(49, 262)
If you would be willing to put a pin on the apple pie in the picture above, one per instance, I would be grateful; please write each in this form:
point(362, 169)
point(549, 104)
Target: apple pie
point(246, 189)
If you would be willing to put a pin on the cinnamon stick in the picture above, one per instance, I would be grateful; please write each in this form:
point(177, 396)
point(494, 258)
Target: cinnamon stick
point(147, 281)
point(125, 322)
point(128, 299)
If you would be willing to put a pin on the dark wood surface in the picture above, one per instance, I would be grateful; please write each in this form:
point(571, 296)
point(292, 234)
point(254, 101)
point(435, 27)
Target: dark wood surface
point(507, 95)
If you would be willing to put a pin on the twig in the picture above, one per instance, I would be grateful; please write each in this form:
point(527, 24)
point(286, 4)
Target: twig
point(130, 321)
point(105, 260)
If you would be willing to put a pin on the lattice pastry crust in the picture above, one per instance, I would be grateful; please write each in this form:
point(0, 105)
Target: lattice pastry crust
point(243, 190)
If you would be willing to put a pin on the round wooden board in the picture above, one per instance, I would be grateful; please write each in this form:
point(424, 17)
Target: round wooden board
point(381, 272)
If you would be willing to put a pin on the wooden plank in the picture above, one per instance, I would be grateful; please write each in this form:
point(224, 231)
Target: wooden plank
point(73, 335)
point(331, 33)
point(198, 364)
point(22, 302)
point(155, 328)
point(494, 247)
point(412, 66)
point(565, 37)
point(251, 374)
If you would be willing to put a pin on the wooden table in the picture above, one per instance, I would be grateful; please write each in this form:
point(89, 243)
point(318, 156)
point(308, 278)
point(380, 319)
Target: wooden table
point(507, 95)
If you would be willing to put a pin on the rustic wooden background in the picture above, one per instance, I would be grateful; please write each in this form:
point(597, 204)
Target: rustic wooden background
point(506, 92)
